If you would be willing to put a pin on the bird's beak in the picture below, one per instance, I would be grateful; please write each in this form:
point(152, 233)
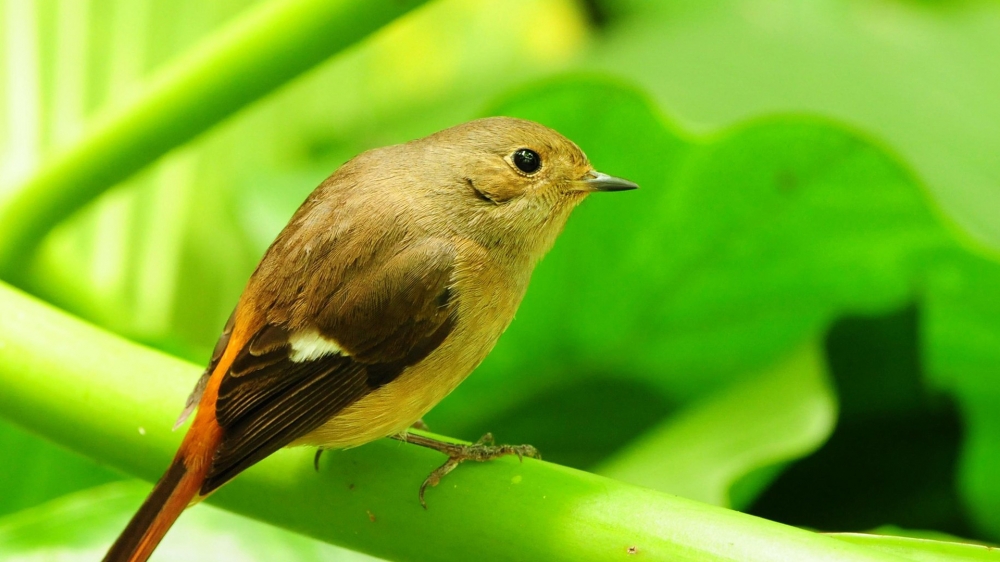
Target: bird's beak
point(596, 181)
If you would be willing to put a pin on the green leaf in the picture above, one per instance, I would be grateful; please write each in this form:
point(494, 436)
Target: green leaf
point(893, 456)
point(758, 424)
point(915, 73)
point(963, 335)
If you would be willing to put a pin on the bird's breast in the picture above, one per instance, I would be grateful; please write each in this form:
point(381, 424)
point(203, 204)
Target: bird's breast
point(487, 294)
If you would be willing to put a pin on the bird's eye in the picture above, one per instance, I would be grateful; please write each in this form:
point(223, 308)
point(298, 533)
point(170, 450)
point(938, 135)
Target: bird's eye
point(527, 160)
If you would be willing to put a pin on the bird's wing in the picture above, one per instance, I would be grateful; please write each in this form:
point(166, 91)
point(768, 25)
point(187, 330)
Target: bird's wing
point(288, 380)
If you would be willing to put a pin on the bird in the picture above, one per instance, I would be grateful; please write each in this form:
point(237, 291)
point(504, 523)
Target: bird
point(387, 287)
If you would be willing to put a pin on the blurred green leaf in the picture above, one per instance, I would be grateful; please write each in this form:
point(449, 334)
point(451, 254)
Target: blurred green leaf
point(893, 456)
point(963, 352)
point(772, 231)
point(919, 74)
point(772, 417)
point(570, 420)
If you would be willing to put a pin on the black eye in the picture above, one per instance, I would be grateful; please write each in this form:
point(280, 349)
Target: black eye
point(527, 160)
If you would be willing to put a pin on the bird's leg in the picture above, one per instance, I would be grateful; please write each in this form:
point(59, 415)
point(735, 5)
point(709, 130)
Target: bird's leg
point(319, 453)
point(421, 425)
point(480, 451)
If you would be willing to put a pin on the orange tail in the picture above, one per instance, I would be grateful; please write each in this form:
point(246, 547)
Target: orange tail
point(183, 480)
point(175, 490)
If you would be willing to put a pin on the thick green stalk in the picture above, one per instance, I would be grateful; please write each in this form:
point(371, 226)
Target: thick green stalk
point(924, 550)
point(116, 401)
point(263, 49)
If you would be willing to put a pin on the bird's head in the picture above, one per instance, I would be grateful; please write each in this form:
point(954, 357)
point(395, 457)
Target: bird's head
point(509, 183)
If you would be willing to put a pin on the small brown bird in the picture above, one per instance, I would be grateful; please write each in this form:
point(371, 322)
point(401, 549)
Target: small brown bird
point(389, 285)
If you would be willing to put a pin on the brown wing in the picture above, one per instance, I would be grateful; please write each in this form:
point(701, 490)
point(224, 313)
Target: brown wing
point(385, 317)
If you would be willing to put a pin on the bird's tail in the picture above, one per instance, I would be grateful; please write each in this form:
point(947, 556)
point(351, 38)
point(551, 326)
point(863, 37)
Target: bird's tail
point(175, 490)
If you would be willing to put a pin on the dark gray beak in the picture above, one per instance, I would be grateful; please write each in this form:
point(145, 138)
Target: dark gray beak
point(596, 181)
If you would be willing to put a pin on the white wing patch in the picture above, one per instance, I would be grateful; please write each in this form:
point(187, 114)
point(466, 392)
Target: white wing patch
point(310, 344)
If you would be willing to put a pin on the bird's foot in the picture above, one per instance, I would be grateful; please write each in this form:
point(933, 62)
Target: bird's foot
point(480, 451)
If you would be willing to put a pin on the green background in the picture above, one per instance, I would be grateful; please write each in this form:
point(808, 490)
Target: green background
point(797, 316)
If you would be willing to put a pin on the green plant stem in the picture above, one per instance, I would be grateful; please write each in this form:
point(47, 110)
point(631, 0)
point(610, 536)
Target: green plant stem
point(924, 550)
point(260, 51)
point(116, 401)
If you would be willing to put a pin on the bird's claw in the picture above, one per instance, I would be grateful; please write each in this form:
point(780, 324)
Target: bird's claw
point(481, 451)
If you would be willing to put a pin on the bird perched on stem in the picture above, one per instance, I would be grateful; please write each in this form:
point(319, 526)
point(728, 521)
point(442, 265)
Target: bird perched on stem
point(389, 285)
